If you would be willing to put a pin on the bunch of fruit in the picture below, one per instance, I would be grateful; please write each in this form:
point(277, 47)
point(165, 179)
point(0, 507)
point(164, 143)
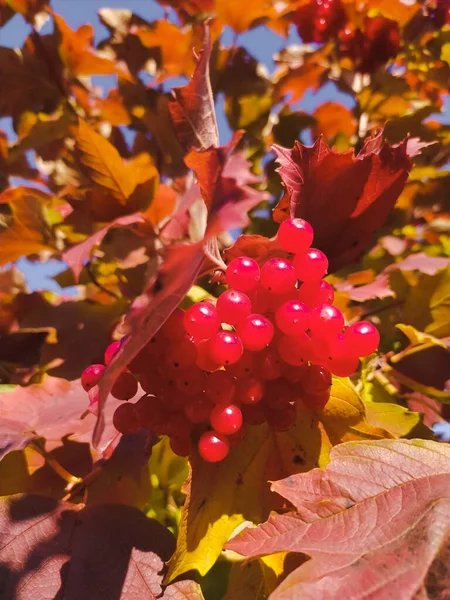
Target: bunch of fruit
point(270, 341)
point(320, 20)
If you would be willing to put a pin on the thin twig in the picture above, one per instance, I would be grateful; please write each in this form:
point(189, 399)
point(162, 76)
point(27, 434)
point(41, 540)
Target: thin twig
point(380, 309)
point(54, 464)
point(95, 281)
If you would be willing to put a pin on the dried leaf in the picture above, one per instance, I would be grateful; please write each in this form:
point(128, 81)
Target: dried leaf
point(192, 112)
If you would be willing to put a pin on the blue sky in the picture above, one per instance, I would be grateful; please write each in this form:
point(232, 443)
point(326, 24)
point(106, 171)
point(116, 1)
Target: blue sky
point(260, 42)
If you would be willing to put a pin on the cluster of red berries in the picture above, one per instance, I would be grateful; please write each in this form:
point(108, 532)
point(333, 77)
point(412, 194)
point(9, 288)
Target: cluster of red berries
point(371, 47)
point(320, 20)
point(271, 340)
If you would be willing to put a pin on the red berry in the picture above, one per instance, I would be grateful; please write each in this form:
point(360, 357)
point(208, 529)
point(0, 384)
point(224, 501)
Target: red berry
point(295, 235)
point(342, 362)
point(181, 446)
point(213, 447)
point(173, 328)
point(363, 338)
point(125, 419)
point(233, 307)
point(278, 276)
point(226, 418)
point(226, 348)
point(316, 401)
point(243, 367)
point(279, 394)
point(315, 379)
point(250, 391)
point(177, 425)
point(311, 265)
point(141, 362)
point(91, 376)
point(256, 332)
point(238, 437)
point(110, 351)
point(292, 373)
point(294, 350)
point(125, 386)
point(269, 364)
point(283, 419)
point(327, 321)
point(292, 317)
point(181, 354)
point(253, 414)
point(201, 320)
point(190, 381)
point(243, 274)
point(220, 387)
point(198, 409)
point(204, 359)
point(148, 413)
point(316, 292)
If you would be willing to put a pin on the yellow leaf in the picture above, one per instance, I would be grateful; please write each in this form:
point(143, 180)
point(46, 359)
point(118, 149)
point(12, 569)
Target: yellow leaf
point(239, 17)
point(106, 167)
point(223, 495)
point(28, 231)
point(445, 53)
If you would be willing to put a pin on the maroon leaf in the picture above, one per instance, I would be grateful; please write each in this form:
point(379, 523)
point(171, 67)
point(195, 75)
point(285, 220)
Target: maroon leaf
point(52, 550)
point(77, 256)
point(355, 194)
point(227, 200)
point(192, 111)
point(375, 521)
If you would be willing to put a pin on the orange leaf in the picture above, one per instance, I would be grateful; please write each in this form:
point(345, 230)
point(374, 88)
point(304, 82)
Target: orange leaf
point(333, 118)
point(240, 17)
point(29, 232)
point(296, 81)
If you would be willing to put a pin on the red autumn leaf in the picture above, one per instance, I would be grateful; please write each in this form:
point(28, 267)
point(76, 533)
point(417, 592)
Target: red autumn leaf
point(49, 546)
point(51, 410)
point(355, 193)
point(192, 111)
point(375, 521)
point(77, 256)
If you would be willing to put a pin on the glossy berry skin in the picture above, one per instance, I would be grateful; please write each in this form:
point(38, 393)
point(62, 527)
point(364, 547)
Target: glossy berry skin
point(244, 367)
point(326, 322)
point(312, 265)
point(110, 352)
point(233, 307)
point(243, 274)
point(226, 348)
point(213, 446)
point(201, 320)
point(316, 292)
point(250, 390)
point(125, 419)
point(256, 332)
point(226, 418)
point(220, 387)
point(315, 379)
point(316, 401)
point(295, 235)
point(363, 338)
point(125, 386)
point(294, 350)
point(278, 276)
point(204, 360)
point(91, 376)
point(292, 317)
point(343, 366)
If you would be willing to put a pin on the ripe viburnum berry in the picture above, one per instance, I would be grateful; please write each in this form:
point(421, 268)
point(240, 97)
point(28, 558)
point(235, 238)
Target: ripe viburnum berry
point(312, 265)
point(125, 386)
point(226, 418)
point(111, 351)
point(278, 276)
point(243, 274)
point(256, 332)
point(125, 418)
point(295, 235)
point(91, 376)
point(363, 337)
point(233, 307)
point(226, 348)
point(213, 446)
point(201, 320)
